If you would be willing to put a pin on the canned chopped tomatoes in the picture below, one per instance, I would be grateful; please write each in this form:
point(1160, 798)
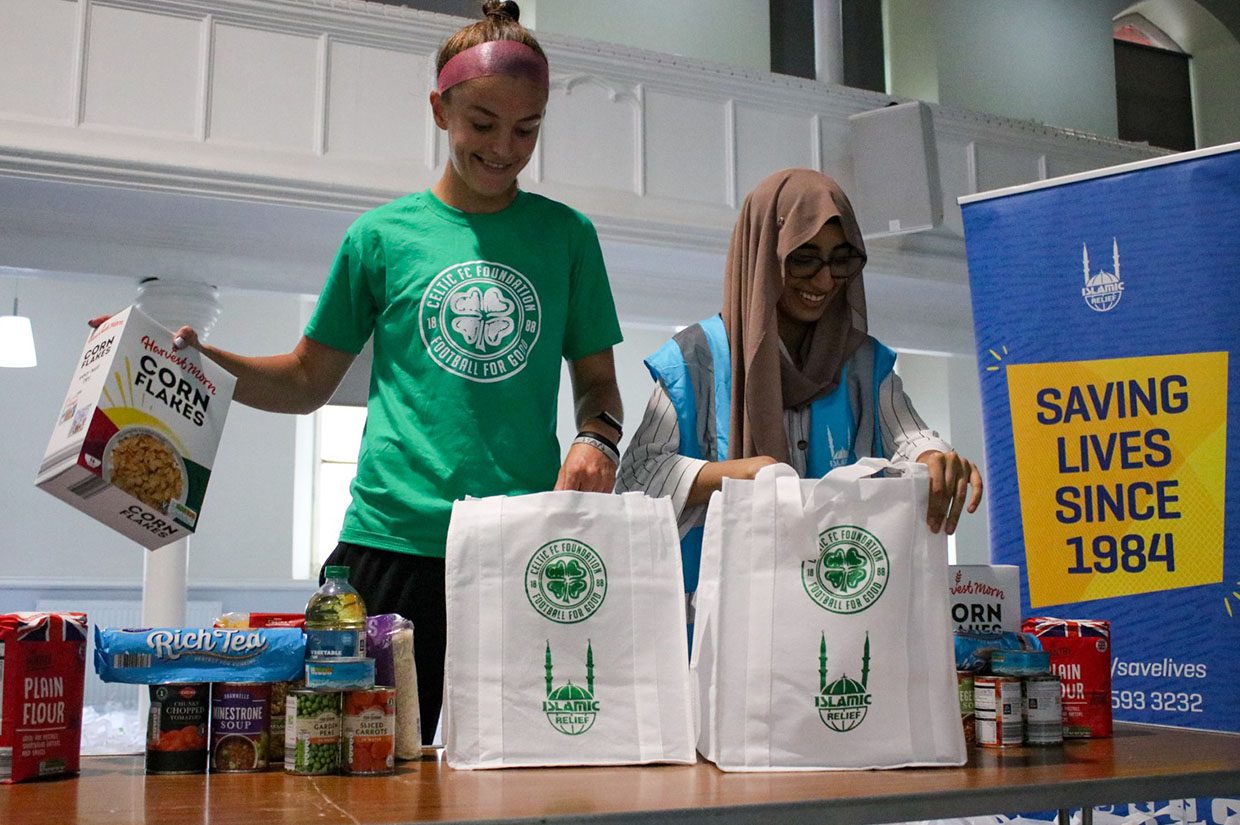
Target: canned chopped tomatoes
point(176, 730)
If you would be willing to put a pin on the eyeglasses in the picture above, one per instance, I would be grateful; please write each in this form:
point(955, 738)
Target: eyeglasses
point(844, 263)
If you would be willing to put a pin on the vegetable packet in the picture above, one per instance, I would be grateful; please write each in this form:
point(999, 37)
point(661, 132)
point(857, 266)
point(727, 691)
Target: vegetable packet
point(156, 655)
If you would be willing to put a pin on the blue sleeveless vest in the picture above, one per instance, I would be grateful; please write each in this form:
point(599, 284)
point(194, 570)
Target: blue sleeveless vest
point(700, 355)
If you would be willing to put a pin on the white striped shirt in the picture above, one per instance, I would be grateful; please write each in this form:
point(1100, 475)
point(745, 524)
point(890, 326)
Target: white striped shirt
point(652, 464)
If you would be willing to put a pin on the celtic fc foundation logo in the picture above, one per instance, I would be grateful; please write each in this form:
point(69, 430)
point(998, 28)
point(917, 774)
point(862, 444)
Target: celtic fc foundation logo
point(571, 709)
point(842, 704)
point(566, 580)
point(850, 572)
point(480, 320)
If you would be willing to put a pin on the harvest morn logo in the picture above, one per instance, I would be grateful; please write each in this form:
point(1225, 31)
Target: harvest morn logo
point(566, 580)
point(850, 572)
point(1102, 290)
point(842, 704)
point(571, 709)
point(480, 320)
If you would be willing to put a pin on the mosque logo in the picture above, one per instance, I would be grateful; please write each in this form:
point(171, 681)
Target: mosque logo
point(480, 320)
point(842, 705)
point(850, 572)
point(1103, 289)
point(571, 709)
point(566, 580)
point(842, 456)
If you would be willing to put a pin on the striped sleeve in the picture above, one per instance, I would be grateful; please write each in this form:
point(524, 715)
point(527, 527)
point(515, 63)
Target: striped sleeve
point(653, 465)
point(905, 435)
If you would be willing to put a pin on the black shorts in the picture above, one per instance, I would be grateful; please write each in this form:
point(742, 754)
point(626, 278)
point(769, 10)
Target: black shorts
point(412, 586)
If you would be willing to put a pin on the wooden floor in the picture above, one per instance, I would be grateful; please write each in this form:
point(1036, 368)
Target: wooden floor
point(1139, 763)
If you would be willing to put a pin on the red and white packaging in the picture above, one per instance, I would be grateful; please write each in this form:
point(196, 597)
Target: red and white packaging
point(1080, 651)
point(42, 671)
point(261, 620)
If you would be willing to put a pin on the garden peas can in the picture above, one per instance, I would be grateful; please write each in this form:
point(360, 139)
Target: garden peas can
point(312, 732)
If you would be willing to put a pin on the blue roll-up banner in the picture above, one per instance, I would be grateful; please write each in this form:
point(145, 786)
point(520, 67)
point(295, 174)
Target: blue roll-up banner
point(1106, 310)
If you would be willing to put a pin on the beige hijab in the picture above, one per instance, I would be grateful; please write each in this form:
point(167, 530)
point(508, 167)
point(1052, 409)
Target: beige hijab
point(783, 212)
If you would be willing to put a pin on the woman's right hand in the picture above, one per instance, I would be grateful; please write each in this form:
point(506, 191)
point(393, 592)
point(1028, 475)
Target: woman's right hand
point(747, 468)
point(186, 337)
point(710, 477)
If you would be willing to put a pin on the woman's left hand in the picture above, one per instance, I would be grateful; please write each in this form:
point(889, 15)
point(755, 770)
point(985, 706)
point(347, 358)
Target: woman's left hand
point(586, 469)
point(951, 475)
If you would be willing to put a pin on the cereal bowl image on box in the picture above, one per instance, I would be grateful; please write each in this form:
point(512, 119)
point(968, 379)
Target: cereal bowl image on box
point(137, 434)
point(144, 463)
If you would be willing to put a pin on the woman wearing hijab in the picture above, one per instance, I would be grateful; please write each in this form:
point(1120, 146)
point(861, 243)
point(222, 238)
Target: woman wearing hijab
point(786, 373)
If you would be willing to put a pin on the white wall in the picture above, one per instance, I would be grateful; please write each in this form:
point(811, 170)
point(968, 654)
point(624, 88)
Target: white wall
point(247, 524)
point(721, 31)
point(1050, 61)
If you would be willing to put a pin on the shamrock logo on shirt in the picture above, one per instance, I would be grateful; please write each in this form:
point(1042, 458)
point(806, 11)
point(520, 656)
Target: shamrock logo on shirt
point(483, 318)
point(566, 580)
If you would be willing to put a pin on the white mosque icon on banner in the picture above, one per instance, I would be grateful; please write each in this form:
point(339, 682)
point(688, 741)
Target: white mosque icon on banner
point(1103, 289)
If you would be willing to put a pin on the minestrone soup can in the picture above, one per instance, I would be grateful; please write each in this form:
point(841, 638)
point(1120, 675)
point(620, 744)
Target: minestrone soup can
point(239, 727)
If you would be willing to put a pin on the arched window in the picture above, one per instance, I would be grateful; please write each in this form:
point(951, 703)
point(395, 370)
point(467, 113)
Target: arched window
point(1152, 87)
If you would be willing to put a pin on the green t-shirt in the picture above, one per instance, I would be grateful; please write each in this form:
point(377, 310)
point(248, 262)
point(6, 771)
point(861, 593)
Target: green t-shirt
point(471, 314)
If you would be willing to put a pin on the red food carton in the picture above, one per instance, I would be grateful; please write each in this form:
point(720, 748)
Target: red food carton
point(42, 671)
point(1080, 651)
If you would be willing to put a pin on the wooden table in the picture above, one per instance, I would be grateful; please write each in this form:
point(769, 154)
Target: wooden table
point(1140, 763)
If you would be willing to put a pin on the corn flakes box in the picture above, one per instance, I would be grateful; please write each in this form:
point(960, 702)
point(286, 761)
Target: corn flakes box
point(137, 434)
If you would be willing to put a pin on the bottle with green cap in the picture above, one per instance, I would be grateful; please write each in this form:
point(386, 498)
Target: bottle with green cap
point(335, 618)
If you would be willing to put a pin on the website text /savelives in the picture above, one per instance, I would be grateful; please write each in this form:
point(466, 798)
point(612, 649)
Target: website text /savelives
point(1166, 668)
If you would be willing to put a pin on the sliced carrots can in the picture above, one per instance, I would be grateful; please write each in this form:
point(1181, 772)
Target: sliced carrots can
point(368, 746)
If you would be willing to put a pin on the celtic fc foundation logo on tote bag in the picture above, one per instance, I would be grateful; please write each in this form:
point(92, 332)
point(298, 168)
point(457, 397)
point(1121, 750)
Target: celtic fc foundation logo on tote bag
point(566, 580)
point(851, 570)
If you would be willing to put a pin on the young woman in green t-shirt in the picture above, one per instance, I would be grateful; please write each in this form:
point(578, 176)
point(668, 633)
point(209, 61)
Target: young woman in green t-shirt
point(463, 398)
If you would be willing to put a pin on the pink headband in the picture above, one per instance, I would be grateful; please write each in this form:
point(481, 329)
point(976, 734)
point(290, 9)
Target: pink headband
point(502, 57)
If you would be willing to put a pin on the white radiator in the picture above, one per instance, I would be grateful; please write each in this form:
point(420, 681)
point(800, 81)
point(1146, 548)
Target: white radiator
point(115, 613)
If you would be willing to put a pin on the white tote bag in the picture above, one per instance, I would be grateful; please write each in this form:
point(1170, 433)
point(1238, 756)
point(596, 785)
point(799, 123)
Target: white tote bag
point(566, 640)
point(822, 638)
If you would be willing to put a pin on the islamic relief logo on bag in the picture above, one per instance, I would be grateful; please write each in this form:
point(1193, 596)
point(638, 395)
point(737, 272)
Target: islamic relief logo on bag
point(851, 570)
point(566, 580)
point(480, 320)
point(570, 708)
point(842, 704)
